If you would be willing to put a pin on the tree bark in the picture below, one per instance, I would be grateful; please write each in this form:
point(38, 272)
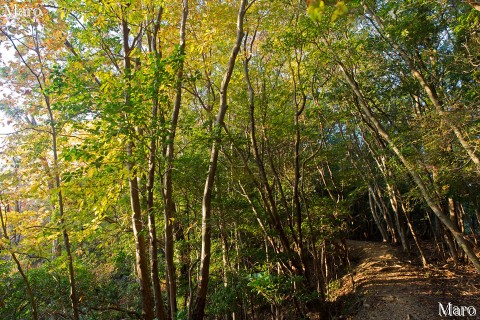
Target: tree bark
point(141, 257)
point(427, 87)
point(30, 294)
point(169, 214)
point(203, 278)
point(475, 4)
point(375, 215)
point(264, 187)
point(378, 196)
point(41, 80)
point(66, 240)
point(426, 194)
point(414, 234)
point(160, 312)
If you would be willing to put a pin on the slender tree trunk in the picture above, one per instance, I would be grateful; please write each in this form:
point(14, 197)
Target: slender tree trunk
point(437, 230)
point(375, 215)
point(225, 260)
point(395, 198)
point(203, 279)
point(61, 211)
point(169, 215)
point(452, 211)
point(453, 219)
point(398, 223)
point(152, 35)
point(477, 216)
point(297, 209)
point(264, 187)
point(66, 241)
point(427, 87)
point(154, 270)
point(141, 255)
point(460, 216)
point(30, 294)
point(382, 207)
point(414, 234)
point(160, 312)
point(41, 80)
point(426, 194)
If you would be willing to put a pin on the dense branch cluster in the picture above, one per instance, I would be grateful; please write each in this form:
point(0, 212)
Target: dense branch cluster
point(208, 159)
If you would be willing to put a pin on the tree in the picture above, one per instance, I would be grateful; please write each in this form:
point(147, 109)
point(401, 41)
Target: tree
point(310, 124)
point(38, 68)
point(200, 300)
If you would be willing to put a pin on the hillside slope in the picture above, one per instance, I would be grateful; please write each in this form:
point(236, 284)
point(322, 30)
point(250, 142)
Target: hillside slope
point(387, 286)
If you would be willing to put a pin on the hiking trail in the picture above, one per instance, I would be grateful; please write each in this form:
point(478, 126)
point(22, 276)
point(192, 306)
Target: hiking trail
point(389, 286)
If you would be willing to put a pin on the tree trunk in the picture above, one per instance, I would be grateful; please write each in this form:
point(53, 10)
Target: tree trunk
point(264, 187)
point(428, 197)
point(41, 80)
point(61, 211)
point(475, 4)
point(141, 264)
point(30, 294)
point(299, 101)
point(460, 216)
point(203, 278)
point(398, 223)
point(160, 312)
point(375, 215)
point(378, 196)
point(414, 235)
point(169, 215)
point(395, 199)
point(225, 260)
point(154, 270)
point(428, 88)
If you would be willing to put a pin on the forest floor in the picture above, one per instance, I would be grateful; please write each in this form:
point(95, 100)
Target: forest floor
point(390, 286)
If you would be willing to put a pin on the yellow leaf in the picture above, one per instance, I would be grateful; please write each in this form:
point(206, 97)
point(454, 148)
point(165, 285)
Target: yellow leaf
point(340, 10)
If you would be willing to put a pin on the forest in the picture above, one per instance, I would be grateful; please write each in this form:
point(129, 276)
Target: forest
point(208, 159)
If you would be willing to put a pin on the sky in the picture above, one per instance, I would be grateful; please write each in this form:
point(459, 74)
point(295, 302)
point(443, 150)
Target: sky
point(6, 55)
point(4, 127)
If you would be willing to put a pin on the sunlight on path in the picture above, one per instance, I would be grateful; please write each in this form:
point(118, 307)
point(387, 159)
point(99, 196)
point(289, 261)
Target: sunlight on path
point(390, 287)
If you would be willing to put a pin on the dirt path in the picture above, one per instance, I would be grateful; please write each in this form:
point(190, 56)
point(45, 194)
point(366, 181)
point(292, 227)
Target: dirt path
point(390, 287)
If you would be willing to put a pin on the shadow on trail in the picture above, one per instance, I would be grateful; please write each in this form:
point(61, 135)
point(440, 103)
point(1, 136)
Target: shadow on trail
point(388, 286)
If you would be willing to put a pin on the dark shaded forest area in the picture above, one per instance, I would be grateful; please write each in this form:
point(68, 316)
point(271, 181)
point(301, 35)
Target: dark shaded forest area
point(208, 159)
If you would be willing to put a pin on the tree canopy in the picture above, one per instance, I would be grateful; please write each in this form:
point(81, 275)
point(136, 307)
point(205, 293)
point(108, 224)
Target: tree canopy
point(207, 159)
